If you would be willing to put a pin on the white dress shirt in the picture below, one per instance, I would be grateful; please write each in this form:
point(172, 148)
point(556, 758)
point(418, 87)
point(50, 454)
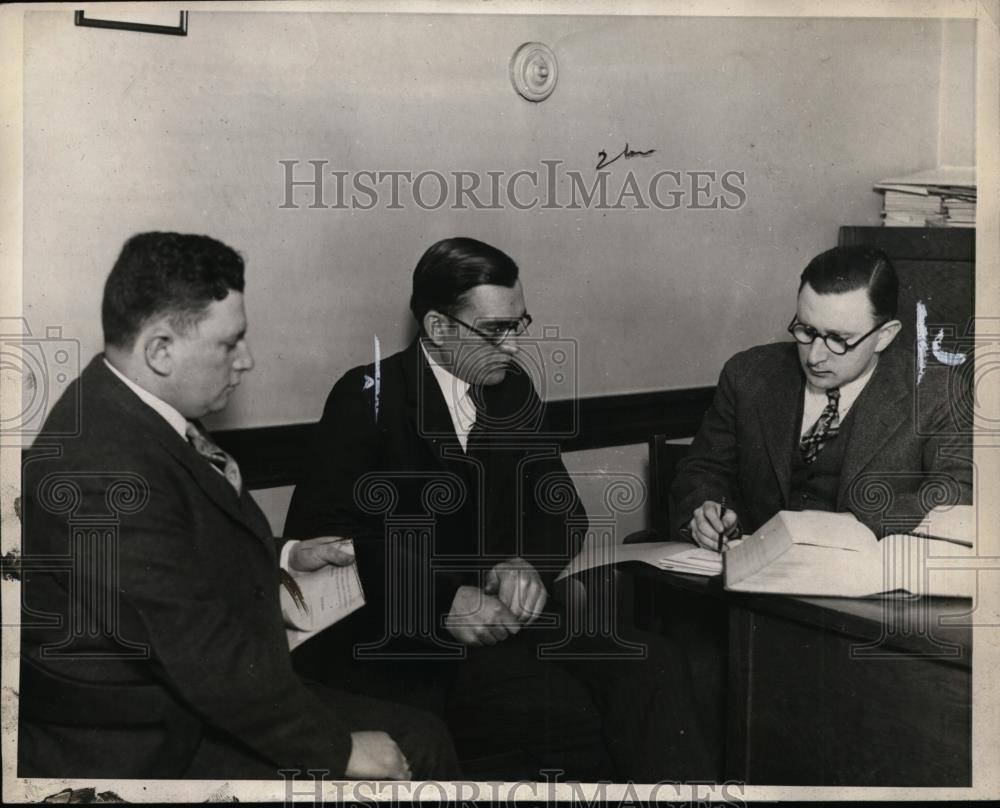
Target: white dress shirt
point(460, 405)
point(816, 400)
point(167, 412)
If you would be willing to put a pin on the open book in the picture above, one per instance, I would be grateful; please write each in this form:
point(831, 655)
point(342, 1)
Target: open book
point(821, 553)
point(328, 595)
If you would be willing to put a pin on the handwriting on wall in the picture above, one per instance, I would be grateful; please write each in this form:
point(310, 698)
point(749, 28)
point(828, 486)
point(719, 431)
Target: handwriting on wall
point(627, 153)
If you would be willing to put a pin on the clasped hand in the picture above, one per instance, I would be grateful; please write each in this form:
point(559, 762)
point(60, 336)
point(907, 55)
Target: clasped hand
point(512, 595)
point(519, 587)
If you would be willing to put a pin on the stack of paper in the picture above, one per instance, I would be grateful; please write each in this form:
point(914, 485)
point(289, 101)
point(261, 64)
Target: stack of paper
point(960, 212)
point(941, 197)
point(694, 561)
point(903, 209)
point(676, 556)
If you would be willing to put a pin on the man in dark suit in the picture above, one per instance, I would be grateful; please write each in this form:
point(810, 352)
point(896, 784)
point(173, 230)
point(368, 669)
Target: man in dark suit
point(152, 643)
point(838, 420)
point(438, 462)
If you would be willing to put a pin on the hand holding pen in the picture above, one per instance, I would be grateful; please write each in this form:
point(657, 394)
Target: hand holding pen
point(713, 524)
point(726, 532)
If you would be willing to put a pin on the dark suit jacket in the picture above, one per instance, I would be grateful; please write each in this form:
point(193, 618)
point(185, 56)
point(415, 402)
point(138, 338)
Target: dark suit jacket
point(391, 464)
point(900, 461)
point(169, 624)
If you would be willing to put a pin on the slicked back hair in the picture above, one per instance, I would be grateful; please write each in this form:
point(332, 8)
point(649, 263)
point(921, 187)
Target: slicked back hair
point(453, 266)
point(844, 269)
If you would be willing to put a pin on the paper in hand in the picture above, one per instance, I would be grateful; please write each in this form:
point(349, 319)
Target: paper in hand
point(330, 594)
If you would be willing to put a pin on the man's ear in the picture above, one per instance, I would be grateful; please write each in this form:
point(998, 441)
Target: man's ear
point(158, 348)
point(437, 327)
point(887, 334)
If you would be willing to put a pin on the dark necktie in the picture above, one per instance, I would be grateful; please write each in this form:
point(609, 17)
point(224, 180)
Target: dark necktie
point(825, 429)
point(477, 432)
point(220, 459)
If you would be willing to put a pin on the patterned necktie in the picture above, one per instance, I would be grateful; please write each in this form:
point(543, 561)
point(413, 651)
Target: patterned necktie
point(220, 459)
point(825, 429)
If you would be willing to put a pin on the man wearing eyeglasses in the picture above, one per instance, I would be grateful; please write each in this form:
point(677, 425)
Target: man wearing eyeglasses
point(433, 461)
point(807, 425)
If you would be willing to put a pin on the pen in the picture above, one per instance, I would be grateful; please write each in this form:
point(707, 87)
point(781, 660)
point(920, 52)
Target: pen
point(292, 586)
point(950, 540)
point(722, 515)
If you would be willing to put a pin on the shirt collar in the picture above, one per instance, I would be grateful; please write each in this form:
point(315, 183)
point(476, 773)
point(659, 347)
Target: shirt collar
point(177, 421)
point(453, 388)
point(853, 389)
point(848, 392)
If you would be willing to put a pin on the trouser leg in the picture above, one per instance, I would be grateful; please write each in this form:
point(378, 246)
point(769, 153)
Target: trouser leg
point(650, 717)
point(506, 699)
point(421, 736)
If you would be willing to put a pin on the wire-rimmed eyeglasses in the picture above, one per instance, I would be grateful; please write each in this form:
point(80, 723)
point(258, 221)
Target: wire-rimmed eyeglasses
point(500, 330)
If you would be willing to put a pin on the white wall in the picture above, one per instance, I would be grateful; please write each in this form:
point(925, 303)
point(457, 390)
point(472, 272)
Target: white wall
point(957, 134)
point(125, 132)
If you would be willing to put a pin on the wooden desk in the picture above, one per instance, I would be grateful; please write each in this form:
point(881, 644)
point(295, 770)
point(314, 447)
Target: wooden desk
point(823, 691)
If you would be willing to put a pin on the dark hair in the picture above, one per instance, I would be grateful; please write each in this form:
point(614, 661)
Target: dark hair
point(451, 268)
point(844, 269)
point(166, 273)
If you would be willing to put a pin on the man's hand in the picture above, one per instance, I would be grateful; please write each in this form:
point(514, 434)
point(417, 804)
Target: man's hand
point(477, 618)
point(313, 554)
point(375, 756)
point(519, 587)
point(707, 523)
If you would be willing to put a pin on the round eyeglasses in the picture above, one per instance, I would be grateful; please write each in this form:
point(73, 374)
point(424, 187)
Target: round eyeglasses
point(499, 330)
point(806, 335)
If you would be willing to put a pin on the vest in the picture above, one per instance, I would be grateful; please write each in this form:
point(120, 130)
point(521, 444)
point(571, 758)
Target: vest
point(814, 486)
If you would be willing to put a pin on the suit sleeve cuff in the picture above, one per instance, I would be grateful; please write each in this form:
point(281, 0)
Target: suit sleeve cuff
point(286, 550)
point(444, 594)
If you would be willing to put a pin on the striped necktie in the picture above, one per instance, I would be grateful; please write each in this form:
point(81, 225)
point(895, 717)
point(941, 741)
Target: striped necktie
point(219, 459)
point(825, 429)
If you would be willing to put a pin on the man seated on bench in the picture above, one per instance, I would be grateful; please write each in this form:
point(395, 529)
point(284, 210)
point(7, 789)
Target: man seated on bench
point(813, 424)
point(163, 653)
point(435, 461)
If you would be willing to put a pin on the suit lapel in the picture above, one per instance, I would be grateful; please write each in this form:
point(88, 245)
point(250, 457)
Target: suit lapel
point(216, 487)
point(878, 413)
point(151, 424)
point(779, 419)
point(436, 432)
point(426, 406)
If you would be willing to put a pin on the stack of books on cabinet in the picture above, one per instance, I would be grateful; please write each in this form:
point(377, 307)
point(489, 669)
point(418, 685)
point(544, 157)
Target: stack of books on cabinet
point(938, 197)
